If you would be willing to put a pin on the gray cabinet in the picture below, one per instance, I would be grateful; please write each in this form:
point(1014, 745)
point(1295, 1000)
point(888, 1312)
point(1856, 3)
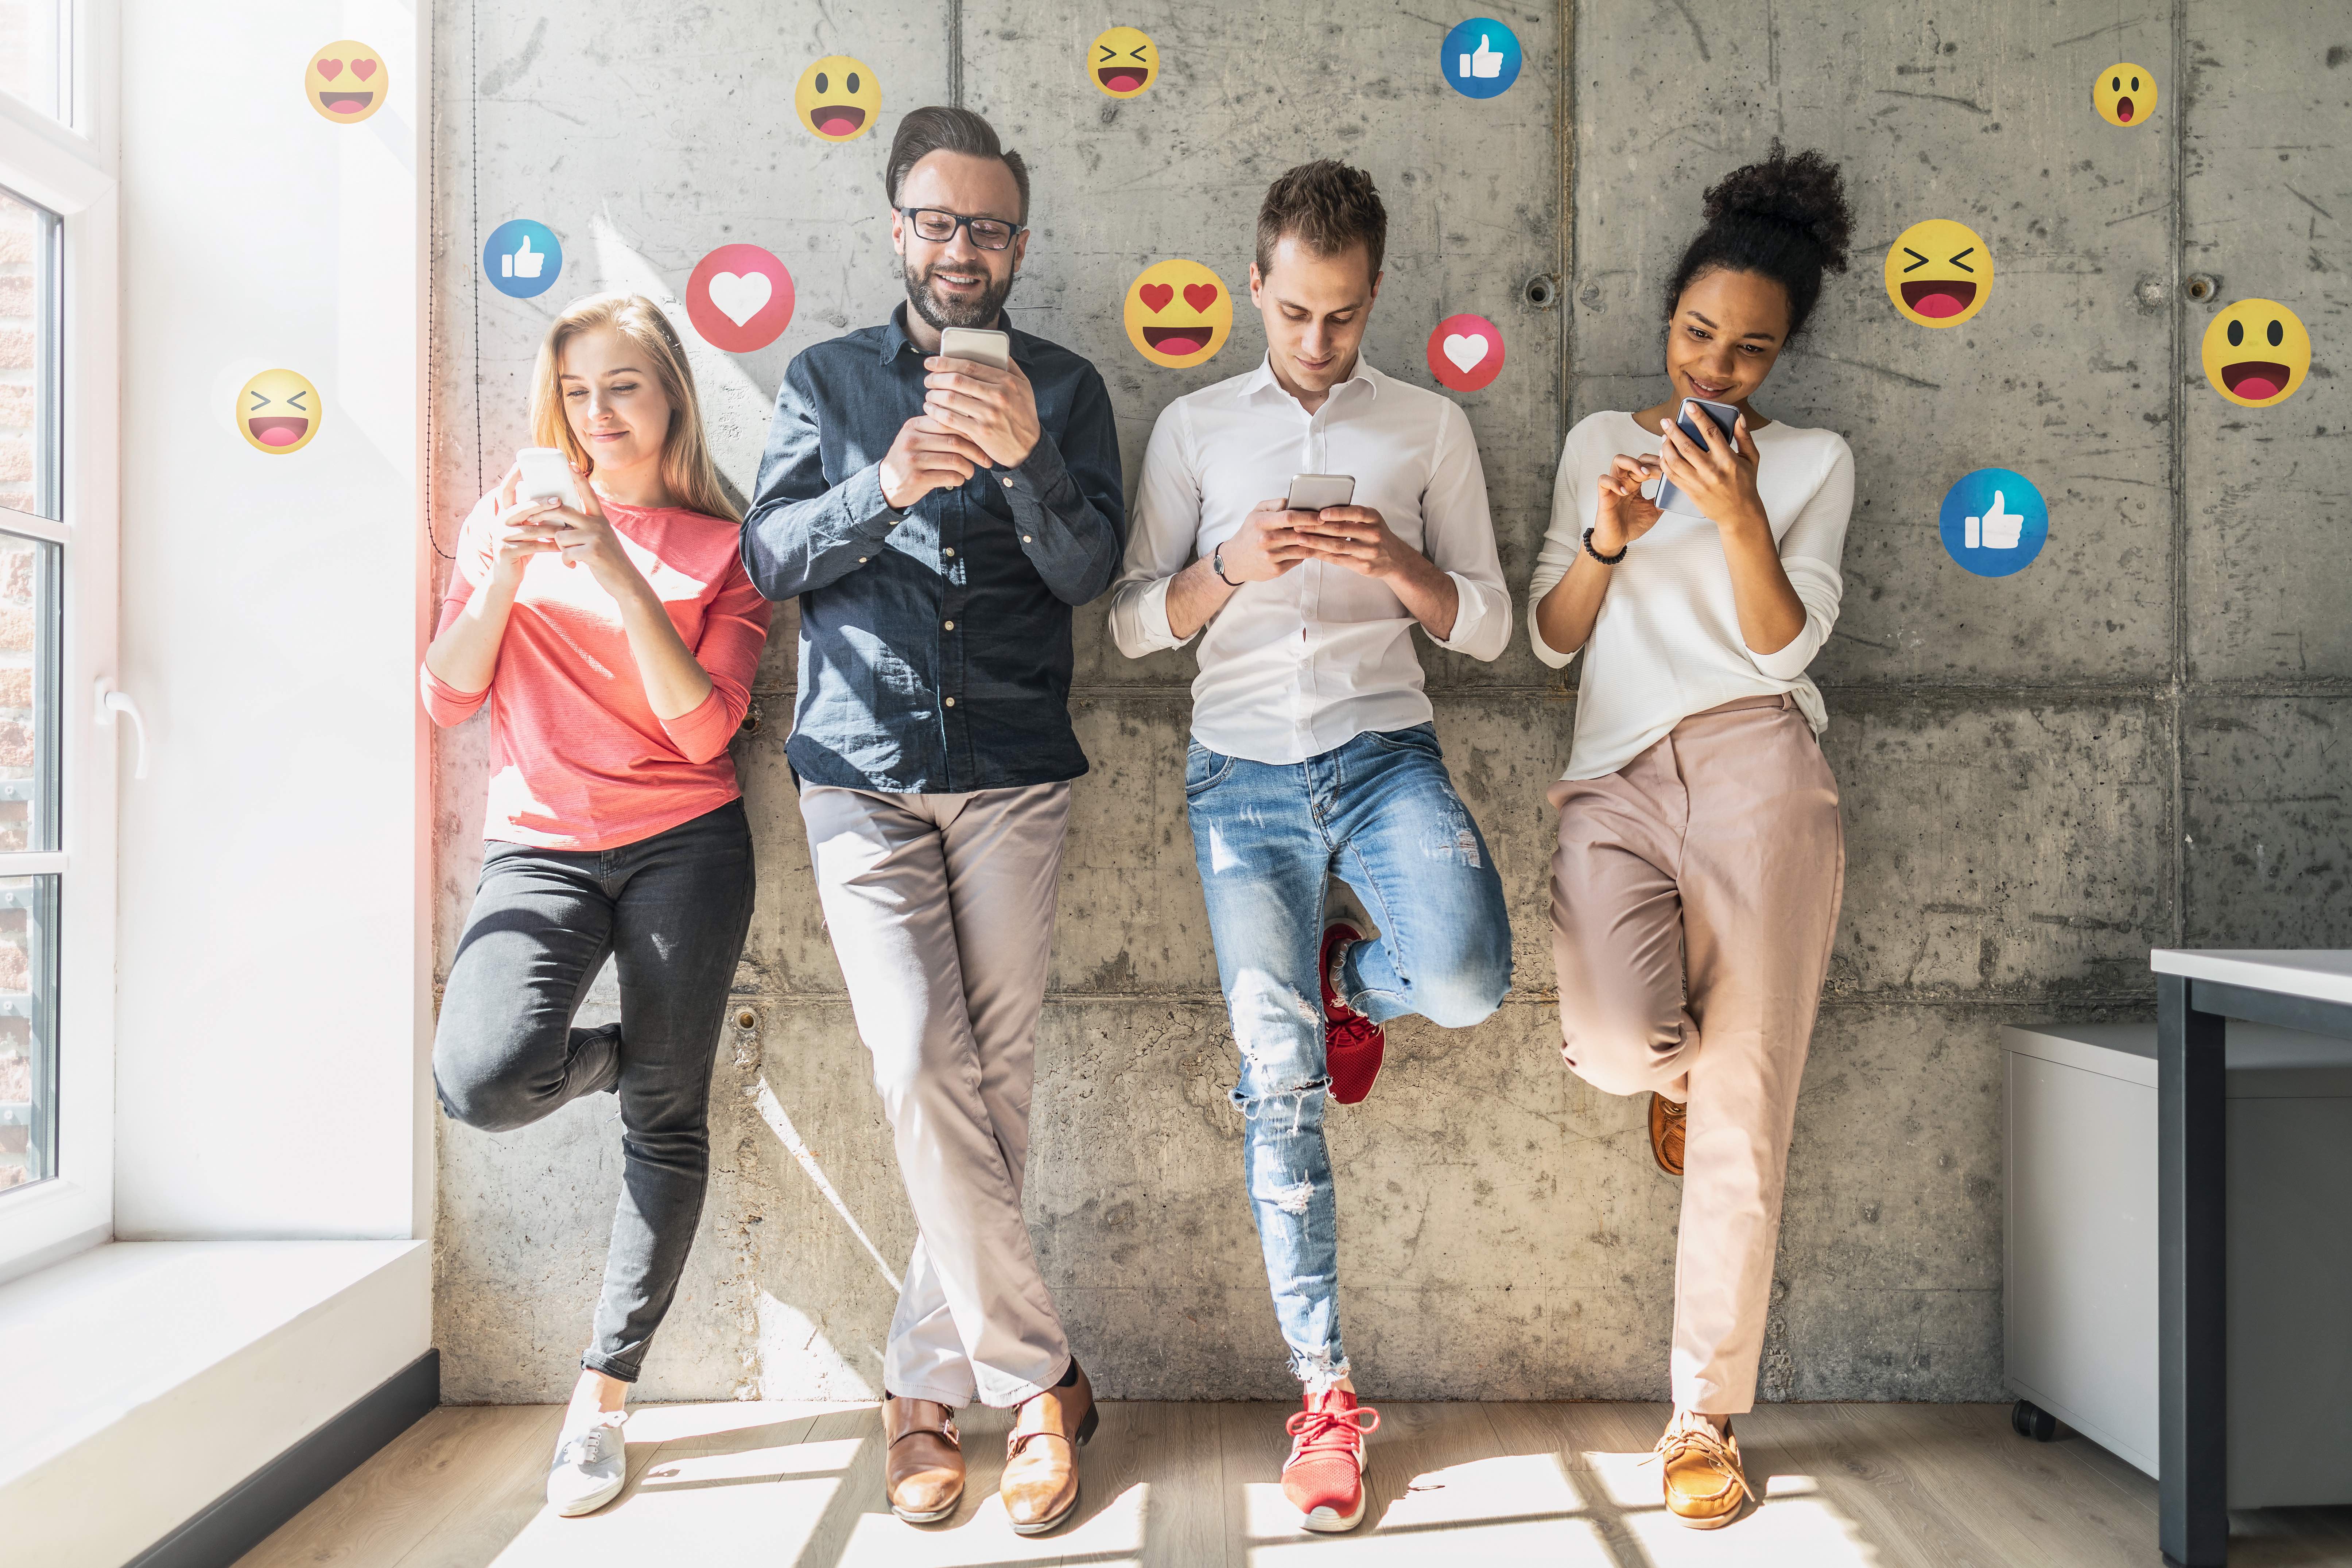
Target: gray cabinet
point(2080, 1248)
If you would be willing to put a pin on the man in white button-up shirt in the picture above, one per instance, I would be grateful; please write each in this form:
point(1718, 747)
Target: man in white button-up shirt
point(1312, 749)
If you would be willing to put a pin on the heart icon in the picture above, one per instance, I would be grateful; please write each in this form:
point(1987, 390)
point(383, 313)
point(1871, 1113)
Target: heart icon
point(1465, 349)
point(1157, 295)
point(364, 69)
point(330, 70)
point(740, 295)
point(1200, 296)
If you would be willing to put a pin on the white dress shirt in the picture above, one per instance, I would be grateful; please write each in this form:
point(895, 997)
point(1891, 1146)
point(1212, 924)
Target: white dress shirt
point(1297, 666)
point(1667, 644)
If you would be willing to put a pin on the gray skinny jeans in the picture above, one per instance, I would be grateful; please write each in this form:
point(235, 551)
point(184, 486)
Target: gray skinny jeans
point(675, 909)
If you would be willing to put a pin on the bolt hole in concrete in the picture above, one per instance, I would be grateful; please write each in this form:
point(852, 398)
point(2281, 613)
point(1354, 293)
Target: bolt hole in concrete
point(747, 1019)
point(2202, 288)
point(1543, 291)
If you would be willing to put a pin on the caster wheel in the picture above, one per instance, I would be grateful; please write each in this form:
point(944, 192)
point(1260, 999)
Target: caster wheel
point(2030, 1420)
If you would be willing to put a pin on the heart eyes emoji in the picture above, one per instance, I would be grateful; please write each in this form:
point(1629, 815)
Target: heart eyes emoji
point(346, 82)
point(1179, 314)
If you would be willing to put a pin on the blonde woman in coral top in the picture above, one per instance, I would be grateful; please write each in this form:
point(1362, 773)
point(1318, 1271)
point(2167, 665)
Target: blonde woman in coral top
point(613, 643)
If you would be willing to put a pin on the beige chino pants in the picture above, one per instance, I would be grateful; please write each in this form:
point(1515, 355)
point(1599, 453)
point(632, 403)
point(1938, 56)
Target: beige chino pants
point(1695, 901)
point(941, 912)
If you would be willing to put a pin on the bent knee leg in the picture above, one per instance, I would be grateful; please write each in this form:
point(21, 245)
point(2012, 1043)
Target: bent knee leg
point(484, 1078)
point(1621, 1054)
point(1466, 992)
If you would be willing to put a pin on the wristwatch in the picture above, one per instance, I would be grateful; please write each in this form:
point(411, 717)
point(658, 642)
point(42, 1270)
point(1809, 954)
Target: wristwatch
point(1217, 564)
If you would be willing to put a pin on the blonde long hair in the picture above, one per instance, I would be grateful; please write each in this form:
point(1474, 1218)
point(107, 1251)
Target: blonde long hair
point(687, 471)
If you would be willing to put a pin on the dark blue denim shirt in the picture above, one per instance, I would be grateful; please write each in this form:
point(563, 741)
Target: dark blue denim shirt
point(935, 643)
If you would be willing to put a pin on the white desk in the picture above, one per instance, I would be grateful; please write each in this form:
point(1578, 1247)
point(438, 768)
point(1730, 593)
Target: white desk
point(2196, 992)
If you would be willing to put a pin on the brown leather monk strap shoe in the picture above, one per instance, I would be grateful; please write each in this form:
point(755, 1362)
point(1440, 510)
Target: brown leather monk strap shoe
point(1041, 1455)
point(923, 1467)
point(1666, 1118)
point(1706, 1488)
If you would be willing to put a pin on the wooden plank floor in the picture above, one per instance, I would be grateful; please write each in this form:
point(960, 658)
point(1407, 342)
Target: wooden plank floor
point(1197, 1486)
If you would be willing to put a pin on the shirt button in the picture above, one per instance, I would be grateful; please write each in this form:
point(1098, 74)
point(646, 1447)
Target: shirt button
point(1024, 539)
point(951, 702)
point(861, 561)
point(949, 553)
point(949, 625)
point(1008, 484)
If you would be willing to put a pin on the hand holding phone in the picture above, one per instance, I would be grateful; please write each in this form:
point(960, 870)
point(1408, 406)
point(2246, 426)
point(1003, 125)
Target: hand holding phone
point(1709, 426)
point(1313, 492)
point(981, 346)
point(546, 475)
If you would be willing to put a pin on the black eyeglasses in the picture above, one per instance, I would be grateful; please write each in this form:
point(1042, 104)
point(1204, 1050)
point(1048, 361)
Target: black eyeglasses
point(939, 227)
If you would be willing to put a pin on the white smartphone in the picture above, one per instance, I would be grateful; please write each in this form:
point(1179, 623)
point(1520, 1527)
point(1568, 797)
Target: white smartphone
point(546, 476)
point(1313, 492)
point(984, 344)
point(1711, 424)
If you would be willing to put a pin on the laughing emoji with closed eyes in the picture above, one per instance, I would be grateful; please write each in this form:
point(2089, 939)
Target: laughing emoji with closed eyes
point(1122, 62)
point(1938, 273)
point(278, 412)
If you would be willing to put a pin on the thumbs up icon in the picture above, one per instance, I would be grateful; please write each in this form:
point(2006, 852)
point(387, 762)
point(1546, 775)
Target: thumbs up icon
point(1483, 61)
point(524, 262)
point(1997, 530)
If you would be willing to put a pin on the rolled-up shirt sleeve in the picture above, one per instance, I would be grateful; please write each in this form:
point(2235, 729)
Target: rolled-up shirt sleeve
point(802, 533)
point(1458, 535)
point(1809, 553)
point(734, 630)
point(1165, 535)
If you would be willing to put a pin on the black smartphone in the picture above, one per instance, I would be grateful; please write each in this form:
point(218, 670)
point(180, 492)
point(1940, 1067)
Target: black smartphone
point(1720, 416)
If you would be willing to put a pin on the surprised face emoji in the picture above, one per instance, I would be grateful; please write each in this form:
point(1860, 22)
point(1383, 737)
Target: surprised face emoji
point(1122, 62)
point(2256, 353)
point(1938, 273)
point(278, 412)
point(1179, 314)
point(345, 83)
point(2123, 95)
point(839, 98)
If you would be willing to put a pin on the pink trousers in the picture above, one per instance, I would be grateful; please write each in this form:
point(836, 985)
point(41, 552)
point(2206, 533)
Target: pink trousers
point(1693, 903)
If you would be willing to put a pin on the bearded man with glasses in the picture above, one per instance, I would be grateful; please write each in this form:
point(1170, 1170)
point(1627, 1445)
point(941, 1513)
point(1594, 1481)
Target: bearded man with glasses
point(937, 520)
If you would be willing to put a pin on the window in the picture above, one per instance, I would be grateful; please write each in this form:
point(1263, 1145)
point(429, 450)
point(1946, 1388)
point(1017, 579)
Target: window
point(59, 333)
point(35, 54)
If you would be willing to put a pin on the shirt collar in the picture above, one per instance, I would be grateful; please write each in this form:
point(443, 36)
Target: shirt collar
point(1263, 377)
point(896, 341)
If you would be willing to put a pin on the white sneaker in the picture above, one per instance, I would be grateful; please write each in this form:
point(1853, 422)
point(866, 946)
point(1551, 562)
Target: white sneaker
point(591, 1463)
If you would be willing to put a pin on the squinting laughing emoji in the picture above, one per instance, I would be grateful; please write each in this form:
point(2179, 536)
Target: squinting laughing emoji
point(1122, 62)
point(278, 412)
point(2256, 353)
point(2123, 95)
point(1179, 314)
point(346, 82)
point(1938, 273)
point(839, 98)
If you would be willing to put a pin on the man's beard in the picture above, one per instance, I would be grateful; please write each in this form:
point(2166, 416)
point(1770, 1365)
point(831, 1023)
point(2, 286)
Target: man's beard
point(942, 314)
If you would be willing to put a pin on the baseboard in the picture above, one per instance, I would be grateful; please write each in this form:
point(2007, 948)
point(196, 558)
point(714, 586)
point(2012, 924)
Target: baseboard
point(243, 1518)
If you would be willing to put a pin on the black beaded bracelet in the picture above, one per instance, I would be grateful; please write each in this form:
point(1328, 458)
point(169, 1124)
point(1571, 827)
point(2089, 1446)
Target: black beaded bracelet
point(1605, 560)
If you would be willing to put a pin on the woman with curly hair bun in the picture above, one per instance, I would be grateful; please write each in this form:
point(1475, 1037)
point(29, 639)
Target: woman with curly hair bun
point(1694, 890)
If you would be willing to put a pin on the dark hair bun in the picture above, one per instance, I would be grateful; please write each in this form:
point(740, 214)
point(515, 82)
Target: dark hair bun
point(1804, 193)
point(1784, 218)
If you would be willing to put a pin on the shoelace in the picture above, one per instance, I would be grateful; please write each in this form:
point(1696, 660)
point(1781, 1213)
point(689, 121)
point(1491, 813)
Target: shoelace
point(1699, 1437)
point(589, 1447)
point(1345, 1034)
point(1336, 1429)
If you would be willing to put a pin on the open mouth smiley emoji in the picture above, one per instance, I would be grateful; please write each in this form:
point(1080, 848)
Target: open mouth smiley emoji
point(1124, 62)
point(1938, 273)
point(839, 98)
point(345, 83)
point(2123, 95)
point(278, 412)
point(1179, 314)
point(2256, 353)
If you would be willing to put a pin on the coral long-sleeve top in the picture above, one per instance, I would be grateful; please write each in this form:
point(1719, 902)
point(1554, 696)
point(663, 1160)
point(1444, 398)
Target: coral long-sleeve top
point(578, 758)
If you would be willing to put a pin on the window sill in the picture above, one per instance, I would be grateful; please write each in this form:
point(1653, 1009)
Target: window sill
point(188, 1365)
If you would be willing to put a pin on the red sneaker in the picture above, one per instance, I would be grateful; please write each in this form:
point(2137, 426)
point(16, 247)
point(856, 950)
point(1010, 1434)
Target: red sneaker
point(1353, 1044)
point(1324, 1477)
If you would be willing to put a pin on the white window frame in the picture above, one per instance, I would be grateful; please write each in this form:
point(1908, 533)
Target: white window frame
point(71, 168)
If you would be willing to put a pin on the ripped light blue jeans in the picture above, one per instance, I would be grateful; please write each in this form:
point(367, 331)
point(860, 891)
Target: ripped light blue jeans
point(1381, 812)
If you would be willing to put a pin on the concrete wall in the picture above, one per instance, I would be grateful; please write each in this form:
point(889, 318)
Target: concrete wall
point(2127, 744)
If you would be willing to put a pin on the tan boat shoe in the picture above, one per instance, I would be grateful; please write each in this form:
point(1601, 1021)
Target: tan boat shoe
point(923, 1467)
point(1040, 1487)
point(1666, 1118)
point(1706, 1489)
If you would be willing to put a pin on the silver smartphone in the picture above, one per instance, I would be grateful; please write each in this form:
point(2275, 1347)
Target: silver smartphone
point(546, 476)
point(1313, 492)
point(1717, 417)
point(983, 345)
